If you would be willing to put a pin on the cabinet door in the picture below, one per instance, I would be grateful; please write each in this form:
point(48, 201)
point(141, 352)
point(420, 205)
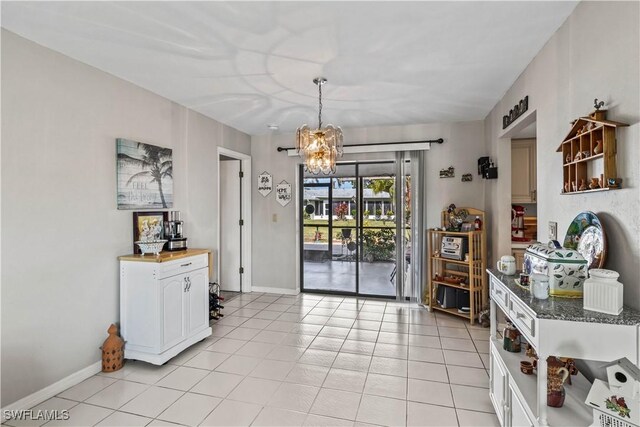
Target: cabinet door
point(498, 385)
point(172, 296)
point(519, 417)
point(523, 171)
point(197, 301)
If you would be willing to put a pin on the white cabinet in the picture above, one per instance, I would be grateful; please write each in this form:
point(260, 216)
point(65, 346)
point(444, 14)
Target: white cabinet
point(164, 304)
point(555, 327)
point(523, 171)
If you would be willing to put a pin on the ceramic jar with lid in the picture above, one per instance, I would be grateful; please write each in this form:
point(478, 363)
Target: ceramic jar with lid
point(539, 286)
point(603, 292)
point(511, 338)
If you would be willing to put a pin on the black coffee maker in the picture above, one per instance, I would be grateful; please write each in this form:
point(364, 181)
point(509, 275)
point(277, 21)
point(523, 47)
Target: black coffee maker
point(173, 232)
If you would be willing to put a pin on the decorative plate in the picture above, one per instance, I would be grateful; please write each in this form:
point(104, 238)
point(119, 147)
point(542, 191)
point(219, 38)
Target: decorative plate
point(586, 235)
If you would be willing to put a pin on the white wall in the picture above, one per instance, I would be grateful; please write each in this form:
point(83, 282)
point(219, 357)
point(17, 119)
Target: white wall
point(594, 54)
point(61, 231)
point(274, 243)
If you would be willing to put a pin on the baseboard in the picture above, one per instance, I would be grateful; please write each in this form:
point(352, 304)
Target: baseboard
point(52, 390)
point(270, 290)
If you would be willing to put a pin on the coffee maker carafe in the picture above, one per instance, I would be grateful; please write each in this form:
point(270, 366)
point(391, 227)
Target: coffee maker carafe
point(173, 232)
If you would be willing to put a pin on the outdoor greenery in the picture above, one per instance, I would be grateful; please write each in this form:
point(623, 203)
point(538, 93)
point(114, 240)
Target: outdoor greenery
point(379, 244)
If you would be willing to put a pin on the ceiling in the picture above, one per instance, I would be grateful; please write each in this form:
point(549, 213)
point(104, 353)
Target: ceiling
point(251, 64)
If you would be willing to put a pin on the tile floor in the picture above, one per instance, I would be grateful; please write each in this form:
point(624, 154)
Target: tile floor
point(306, 360)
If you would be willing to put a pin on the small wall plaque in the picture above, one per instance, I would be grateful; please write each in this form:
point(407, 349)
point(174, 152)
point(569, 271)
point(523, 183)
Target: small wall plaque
point(450, 172)
point(467, 177)
point(283, 193)
point(265, 183)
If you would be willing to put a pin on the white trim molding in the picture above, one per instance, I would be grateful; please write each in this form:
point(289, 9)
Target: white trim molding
point(52, 390)
point(272, 290)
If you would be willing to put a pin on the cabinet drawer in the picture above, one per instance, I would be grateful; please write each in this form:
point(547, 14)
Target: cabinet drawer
point(524, 320)
point(500, 295)
point(183, 265)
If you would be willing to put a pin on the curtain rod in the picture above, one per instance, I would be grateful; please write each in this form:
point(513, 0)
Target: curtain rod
point(429, 141)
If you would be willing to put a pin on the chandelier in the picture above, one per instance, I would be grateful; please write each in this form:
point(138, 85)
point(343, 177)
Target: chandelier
point(319, 148)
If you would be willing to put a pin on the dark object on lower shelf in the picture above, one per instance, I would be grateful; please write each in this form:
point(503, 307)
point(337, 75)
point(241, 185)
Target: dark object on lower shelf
point(214, 302)
point(446, 297)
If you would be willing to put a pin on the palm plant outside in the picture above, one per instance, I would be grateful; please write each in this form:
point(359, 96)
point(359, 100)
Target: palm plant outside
point(156, 162)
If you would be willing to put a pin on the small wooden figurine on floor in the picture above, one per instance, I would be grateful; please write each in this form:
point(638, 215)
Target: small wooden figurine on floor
point(112, 351)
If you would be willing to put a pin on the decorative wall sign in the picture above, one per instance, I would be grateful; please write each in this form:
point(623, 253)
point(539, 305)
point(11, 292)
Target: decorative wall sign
point(467, 177)
point(265, 183)
point(515, 112)
point(283, 193)
point(145, 175)
point(450, 172)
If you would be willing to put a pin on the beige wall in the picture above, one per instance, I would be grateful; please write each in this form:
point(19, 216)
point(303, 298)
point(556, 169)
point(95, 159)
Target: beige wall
point(274, 243)
point(594, 54)
point(61, 229)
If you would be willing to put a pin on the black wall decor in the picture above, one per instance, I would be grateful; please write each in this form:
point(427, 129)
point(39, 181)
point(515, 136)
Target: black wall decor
point(487, 169)
point(515, 112)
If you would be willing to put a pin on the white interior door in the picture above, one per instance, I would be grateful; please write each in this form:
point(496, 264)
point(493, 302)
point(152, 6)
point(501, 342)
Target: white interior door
point(230, 249)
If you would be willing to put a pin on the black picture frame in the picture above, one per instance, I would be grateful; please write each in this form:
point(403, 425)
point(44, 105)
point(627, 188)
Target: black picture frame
point(152, 219)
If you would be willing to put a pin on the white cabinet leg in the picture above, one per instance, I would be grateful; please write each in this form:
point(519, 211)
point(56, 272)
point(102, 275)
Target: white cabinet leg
point(542, 390)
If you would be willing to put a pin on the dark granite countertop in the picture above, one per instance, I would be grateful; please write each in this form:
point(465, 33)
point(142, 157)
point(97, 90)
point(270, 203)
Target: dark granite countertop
point(565, 308)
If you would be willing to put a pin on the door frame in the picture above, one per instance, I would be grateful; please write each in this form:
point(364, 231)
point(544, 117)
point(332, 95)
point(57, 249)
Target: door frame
point(245, 211)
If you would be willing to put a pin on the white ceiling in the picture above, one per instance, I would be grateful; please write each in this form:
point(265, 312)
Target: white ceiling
point(249, 64)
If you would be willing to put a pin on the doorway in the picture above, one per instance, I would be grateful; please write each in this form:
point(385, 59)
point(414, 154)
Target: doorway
point(234, 222)
point(355, 227)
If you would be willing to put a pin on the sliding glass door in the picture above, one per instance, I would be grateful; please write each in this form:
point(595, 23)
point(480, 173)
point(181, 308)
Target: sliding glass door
point(356, 229)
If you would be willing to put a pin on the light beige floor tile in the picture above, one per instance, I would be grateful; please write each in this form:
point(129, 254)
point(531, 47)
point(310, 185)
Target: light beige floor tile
point(307, 374)
point(267, 315)
point(358, 347)
point(351, 361)
point(334, 332)
point(233, 321)
point(371, 316)
point(122, 419)
point(83, 415)
point(463, 358)
point(485, 360)
point(242, 333)
point(476, 419)
point(295, 397)
point(345, 314)
point(281, 326)
point(340, 322)
point(423, 330)
point(340, 404)
point(117, 394)
point(87, 388)
point(388, 366)
point(221, 331)
point(160, 423)
point(428, 371)
point(457, 344)
point(450, 321)
point(320, 311)
point(218, 384)
point(286, 353)
point(424, 341)
point(391, 350)
point(430, 392)
point(327, 343)
point(472, 398)
point(226, 345)
point(183, 378)
point(445, 331)
point(147, 373)
point(393, 338)
point(382, 410)
point(255, 349)
point(232, 413)
point(424, 415)
point(290, 317)
point(275, 417)
point(254, 323)
point(314, 420)
point(398, 328)
point(386, 385)
point(152, 401)
point(206, 360)
point(271, 337)
point(318, 357)
point(315, 320)
point(272, 369)
point(425, 354)
point(362, 335)
point(468, 376)
point(190, 409)
point(341, 379)
point(236, 364)
point(254, 390)
point(367, 325)
point(298, 340)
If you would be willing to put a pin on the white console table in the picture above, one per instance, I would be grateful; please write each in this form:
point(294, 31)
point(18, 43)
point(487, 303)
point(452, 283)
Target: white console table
point(554, 327)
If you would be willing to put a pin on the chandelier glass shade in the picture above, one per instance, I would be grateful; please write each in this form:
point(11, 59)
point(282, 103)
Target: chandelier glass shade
point(319, 148)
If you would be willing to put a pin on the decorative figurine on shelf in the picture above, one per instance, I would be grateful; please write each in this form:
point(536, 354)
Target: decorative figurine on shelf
point(456, 217)
point(568, 158)
point(583, 185)
point(616, 403)
point(594, 183)
point(567, 187)
point(598, 105)
point(557, 374)
point(601, 180)
point(512, 338)
point(598, 148)
point(112, 351)
point(578, 156)
point(574, 185)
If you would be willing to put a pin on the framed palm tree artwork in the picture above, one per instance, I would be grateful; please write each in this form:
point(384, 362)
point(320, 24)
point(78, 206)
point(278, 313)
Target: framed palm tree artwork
point(145, 175)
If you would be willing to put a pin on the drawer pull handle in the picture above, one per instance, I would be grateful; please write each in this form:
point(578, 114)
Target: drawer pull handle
point(498, 292)
point(186, 265)
point(520, 315)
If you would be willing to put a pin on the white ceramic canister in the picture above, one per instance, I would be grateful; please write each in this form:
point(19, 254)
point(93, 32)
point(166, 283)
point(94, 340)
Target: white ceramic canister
point(507, 265)
point(539, 286)
point(603, 292)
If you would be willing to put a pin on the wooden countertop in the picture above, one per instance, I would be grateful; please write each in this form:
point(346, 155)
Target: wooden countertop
point(165, 256)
